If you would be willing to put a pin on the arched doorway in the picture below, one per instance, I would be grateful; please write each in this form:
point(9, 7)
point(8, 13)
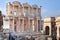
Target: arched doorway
point(47, 30)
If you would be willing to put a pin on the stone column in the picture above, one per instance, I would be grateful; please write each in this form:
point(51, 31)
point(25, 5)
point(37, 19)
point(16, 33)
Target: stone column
point(37, 25)
point(19, 16)
point(13, 19)
point(40, 18)
point(23, 26)
point(28, 19)
point(50, 30)
point(57, 33)
point(33, 25)
point(8, 9)
point(18, 24)
point(37, 12)
point(23, 19)
point(37, 18)
point(28, 24)
point(13, 24)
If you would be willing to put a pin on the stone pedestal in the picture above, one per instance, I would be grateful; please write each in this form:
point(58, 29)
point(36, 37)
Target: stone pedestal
point(49, 38)
point(42, 37)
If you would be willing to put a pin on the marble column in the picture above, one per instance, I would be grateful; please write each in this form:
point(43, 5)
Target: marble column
point(18, 25)
point(13, 25)
point(57, 33)
point(37, 25)
point(13, 20)
point(33, 25)
point(28, 24)
point(23, 25)
point(29, 19)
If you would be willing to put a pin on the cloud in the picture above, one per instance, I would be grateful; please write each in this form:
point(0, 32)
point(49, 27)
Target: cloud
point(44, 12)
point(54, 12)
point(49, 13)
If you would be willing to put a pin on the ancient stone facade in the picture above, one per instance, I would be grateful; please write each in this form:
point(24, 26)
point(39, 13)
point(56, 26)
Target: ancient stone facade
point(51, 27)
point(58, 27)
point(23, 17)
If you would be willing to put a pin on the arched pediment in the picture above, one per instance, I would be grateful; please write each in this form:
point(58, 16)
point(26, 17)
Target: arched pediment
point(26, 4)
point(16, 3)
point(34, 6)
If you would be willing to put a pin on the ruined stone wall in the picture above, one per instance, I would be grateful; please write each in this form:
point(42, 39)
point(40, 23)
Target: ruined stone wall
point(23, 17)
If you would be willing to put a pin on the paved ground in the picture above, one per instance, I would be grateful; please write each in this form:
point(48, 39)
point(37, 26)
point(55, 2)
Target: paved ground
point(4, 36)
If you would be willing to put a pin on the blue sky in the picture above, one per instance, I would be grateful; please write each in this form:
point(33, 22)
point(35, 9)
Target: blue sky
point(49, 7)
